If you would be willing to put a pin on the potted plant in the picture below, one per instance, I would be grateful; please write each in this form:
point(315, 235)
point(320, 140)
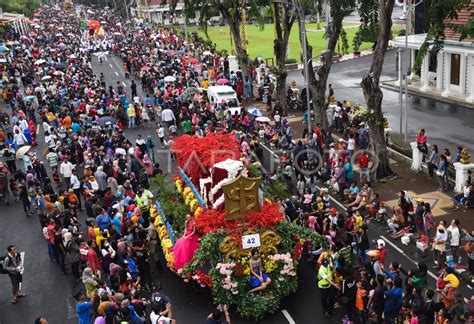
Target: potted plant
point(291, 64)
point(356, 42)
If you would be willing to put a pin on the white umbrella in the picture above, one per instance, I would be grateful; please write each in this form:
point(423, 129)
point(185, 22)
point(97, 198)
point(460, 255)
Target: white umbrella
point(263, 119)
point(117, 34)
point(40, 61)
point(206, 53)
point(169, 78)
point(72, 56)
point(71, 35)
point(3, 60)
point(59, 35)
point(46, 77)
point(58, 73)
point(22, 151)
point(103, 22)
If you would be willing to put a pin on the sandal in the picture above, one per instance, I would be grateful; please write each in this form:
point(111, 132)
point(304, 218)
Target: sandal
point(21, 296)
point(13, 301)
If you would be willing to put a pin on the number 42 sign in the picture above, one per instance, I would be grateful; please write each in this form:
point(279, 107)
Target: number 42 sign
point(250, 241)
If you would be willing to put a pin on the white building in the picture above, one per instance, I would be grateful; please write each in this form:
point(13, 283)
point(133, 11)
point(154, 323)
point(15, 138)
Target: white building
point(450, 72)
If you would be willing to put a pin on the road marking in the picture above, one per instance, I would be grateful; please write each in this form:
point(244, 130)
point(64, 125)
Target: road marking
point(106, 59)
point(110, 64)
point(124, 84)
point(431, 274)
point(288, 317)
point(116, 73)
point(38, 129)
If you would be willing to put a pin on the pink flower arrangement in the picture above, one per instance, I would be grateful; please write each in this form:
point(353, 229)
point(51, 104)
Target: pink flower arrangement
point(286, 261)
point(225, 269)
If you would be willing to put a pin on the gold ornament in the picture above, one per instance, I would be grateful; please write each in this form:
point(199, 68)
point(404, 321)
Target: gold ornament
point(465, 156)
point(241, 195)
point(231, 248)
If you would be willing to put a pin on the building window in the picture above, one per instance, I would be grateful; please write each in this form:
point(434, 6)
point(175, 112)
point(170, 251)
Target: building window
point(455, 68)
point(433, 63)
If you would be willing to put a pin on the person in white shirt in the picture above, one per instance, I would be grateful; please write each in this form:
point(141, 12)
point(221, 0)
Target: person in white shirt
point(19, 138)
point(65, 169)
point(351, 144)
point(76, 187)
point(167, 116)
point(454, 236)
point(161, 135)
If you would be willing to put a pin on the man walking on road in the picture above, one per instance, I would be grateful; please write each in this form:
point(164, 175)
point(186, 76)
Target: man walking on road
point(134, 89)
point(14, 265)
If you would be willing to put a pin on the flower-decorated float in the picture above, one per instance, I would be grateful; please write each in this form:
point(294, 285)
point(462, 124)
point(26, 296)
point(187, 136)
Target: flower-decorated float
point(233, 239)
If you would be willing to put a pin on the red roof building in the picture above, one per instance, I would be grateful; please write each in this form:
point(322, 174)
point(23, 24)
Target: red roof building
point(463, 17)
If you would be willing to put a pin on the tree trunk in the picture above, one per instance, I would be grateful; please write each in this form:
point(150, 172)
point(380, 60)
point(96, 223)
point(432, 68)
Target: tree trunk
point(372, 93)
point(280, 46)
point(234, 21)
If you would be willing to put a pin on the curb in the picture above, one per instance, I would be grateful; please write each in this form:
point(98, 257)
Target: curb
point(427, 95)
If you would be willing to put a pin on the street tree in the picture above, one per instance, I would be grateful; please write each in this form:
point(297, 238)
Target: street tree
point(285, 17)
point(234, 13)
point(371, 81)
point(318, 76)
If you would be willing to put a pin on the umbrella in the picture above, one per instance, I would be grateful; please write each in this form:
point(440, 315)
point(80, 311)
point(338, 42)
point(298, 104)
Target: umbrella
point(46, 77)
point(256, 112)
point(103, 22)
point(59, 35)
point(3, 48)
point(72, 57)
point(222, 81)
point(107, 120)
point(206, 53)
point(40, 61)
point(146, 68)
point(3, 60)
point(93, 24)
point(71, 35)
point(117, 34)
point(263, 119)
point(169, 78)
point(22, 151)
point(193, 60)
point(58, 73)
point(180, 52)
point(28, 98)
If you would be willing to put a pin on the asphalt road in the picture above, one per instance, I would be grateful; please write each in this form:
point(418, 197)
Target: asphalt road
point(447, 125)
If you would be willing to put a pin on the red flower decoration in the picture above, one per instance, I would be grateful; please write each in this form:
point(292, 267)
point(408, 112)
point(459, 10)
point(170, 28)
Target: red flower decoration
point(196, 155)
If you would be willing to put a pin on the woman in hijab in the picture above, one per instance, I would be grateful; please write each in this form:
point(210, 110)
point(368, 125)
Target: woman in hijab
point(89, 281)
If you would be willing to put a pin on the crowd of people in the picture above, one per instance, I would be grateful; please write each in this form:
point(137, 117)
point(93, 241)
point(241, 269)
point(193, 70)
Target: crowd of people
point(87, 162)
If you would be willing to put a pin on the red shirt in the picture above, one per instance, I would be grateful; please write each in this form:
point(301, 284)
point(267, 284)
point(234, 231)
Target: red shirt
point(363, 160)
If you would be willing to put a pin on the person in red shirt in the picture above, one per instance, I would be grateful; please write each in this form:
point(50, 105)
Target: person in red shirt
point(364, 160)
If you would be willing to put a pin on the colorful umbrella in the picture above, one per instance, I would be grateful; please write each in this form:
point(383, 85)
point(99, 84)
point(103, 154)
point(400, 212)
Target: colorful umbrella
point(193, 60)
point(146, 68)
point(256, 112)
point(93, 24)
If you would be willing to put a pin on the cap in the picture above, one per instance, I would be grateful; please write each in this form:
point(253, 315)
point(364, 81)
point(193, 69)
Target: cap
point(419, 200)
point(380, 243)
point(333, 211)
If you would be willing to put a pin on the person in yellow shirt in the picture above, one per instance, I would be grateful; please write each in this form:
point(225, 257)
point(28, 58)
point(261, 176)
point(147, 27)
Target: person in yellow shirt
point(131, 116)
point(205, 84)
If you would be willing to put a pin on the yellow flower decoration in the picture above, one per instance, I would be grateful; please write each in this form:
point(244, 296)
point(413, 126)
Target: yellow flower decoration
point(197, 212)
point(270, 266)
point(186, 191)
point(193, 204)
point(247, 271)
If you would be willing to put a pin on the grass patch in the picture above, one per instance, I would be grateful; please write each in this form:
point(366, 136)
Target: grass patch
point(261, 41)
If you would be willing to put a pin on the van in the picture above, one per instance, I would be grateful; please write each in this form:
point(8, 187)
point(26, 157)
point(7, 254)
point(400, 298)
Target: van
point(218, 94)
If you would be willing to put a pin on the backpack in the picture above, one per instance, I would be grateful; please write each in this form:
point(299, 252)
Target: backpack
point(2, 265)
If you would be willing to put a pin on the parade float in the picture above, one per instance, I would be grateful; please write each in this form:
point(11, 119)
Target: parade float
point(231, 217)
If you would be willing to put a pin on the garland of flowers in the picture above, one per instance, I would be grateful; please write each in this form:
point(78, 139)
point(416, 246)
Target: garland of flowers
point(166, 244)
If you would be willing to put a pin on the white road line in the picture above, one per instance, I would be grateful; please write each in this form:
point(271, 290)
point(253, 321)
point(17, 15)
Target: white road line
point(124, 84)
point(116, 73)
point(110, 64)
point(393, 245)
point(38, 129)
point(288, 317)
point(106, 59)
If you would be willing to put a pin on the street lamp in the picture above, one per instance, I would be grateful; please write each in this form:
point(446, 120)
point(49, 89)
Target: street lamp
point(302, 29)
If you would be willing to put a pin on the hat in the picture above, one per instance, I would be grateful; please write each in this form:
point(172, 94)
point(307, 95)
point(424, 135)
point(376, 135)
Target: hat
point(362, 124)
point(419, 200)
point(71, 190)
point(333, 211)
point(380, 244)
